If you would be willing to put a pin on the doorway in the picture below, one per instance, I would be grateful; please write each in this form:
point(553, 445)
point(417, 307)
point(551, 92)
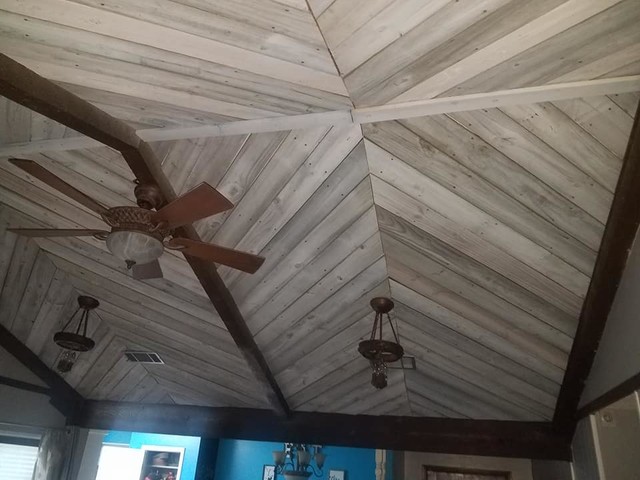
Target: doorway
point(446, 473)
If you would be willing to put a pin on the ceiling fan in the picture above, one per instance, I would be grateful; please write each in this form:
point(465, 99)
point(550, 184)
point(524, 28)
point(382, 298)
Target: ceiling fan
point(140, 234)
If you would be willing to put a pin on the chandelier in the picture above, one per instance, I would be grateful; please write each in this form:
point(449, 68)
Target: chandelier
point(75, 342)
point(380, 352)
point(294, 462)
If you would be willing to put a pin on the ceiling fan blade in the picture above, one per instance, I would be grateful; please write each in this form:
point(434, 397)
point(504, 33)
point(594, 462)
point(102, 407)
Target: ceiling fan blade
point(201, 202)
point(246, 262)
point(147, 271)
point(56, 232)
point(44, 175)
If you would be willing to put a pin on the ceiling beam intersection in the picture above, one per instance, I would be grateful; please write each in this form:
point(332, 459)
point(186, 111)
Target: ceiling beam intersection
point(27, 88)
point(62, 395)
point(397, 111)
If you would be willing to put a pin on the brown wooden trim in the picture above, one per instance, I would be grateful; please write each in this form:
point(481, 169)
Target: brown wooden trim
point(33, 91)
point(456, 436)
point(19, 384)
point(617, 393)
point(63, 396)
point(617, 240)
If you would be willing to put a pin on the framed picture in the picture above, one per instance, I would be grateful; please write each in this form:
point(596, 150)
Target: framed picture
point(336, 475)
point(269, 472)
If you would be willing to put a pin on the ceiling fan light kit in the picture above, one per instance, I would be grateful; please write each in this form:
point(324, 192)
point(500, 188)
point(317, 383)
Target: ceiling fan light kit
point(139, 235)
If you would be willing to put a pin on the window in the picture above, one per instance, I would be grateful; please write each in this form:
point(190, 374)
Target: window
point(17, 457)
point(440, 473)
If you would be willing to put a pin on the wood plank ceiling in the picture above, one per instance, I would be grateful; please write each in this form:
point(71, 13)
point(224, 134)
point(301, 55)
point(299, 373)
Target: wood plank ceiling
point(483, 226)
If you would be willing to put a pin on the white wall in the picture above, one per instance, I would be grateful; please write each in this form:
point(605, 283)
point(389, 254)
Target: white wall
point(23, 407)
point(618, 356)
point(618, 433)
point(551, 470)
point(519, 468)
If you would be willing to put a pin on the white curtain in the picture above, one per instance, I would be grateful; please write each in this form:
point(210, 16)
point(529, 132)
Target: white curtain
point(54, 454)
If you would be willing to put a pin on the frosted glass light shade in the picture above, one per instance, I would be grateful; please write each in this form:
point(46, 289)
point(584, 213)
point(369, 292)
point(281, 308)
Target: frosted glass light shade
point(135, 247)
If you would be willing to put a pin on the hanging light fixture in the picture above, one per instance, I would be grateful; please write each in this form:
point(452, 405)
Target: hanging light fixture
point(378, 351)
point(294, 462)
point(75, 342)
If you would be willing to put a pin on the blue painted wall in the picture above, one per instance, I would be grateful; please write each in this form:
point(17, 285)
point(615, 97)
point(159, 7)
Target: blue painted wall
point(137, 440)
point(243, 460)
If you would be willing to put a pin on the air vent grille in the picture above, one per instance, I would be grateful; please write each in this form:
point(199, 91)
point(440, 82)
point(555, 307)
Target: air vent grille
point(143, 357)
point(405, 363)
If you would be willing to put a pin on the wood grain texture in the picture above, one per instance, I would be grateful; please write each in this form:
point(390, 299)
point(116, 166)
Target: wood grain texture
point(482, 221)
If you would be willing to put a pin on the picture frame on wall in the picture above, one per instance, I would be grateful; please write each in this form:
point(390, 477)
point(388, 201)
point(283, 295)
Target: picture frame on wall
point(269, 472)
point(336, 475)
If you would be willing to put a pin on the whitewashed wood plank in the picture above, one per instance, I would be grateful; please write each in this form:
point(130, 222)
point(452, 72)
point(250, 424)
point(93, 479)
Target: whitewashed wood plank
point(601, 66)
point(207, 24)
point(297, 246)
point(603, 119)
point(291, 154)
point(133, 87)
point(445, 386)
point(400, 204)
point(343, 17)
point(325, 320)
point(535, 32)
point(397, 19)
point(336, 252)
point(15, 122)
point(59, 297)
point(325, 359)
point(24, 255)
point(255, 153)
point(434, 31)
point(469, 181)
point(317, 167)
point(504, 339)
point(462, 273)
point(489, 27)
point(599, 36)
point(484, 361)
point(86, 18)
point(213, 160)
point(319, 6)
point(567, 138)
point(322, 291)
point(36, 288)
point(469, 217)
point(627, 101)
point(538, 158)
point(412, 269)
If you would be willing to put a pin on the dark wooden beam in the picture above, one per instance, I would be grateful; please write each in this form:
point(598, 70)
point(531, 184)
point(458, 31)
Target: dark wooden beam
point(456, 436)
point(626, 388)
point(25, 87)
point(63, 396)
point(617, 240)
point(20, 385)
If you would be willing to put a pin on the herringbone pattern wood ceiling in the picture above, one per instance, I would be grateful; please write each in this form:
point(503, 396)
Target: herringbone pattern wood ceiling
point(483, 225)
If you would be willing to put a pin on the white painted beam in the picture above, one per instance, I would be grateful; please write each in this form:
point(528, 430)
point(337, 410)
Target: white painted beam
point(420, 108)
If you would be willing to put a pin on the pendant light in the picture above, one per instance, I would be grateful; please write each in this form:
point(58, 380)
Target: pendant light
point(74, 342)
point(378, 351)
